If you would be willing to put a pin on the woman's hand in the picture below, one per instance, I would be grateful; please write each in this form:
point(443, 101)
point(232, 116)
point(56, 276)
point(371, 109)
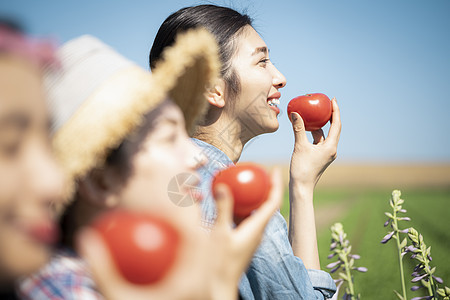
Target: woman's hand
point(209, 265)
point(309, 161)
point(235, 247)
point(187, 279)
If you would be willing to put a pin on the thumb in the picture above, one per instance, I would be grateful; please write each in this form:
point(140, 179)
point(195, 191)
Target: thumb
point(299, 128)
point(224, 204)
point(93, 249)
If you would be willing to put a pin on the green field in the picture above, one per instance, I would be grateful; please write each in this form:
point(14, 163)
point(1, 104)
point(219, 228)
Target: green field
point(362, 214)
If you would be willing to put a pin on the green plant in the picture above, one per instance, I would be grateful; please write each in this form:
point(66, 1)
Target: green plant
point(423, 273)
point(341, 248)
point(393, 220)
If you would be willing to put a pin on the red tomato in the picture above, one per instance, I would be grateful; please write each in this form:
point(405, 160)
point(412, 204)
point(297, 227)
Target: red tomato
point(249, 184)
point(315, 110)
point(144, 247)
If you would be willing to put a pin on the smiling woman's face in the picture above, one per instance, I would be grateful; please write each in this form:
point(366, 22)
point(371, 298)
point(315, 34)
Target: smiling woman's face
point(29, 177)
point(260, 81)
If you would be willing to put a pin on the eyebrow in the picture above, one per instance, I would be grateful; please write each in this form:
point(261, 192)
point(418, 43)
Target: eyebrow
point(261, 50)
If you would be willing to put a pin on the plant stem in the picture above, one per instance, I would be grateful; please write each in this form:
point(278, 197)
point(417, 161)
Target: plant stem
point(399, 251)
point(349, 276)
point(431, 287)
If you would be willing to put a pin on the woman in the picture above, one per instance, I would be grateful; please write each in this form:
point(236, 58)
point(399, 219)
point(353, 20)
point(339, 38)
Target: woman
point(121, 141)
point(29, 177)
point(242, 105)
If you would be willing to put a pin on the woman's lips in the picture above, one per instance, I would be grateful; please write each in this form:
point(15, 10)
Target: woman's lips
point(273, 104)
point(273, 101)
point(275, 109)
point(44, 232)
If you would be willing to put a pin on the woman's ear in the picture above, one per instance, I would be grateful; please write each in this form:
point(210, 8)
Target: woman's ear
point(216, 94)
point(98, 188)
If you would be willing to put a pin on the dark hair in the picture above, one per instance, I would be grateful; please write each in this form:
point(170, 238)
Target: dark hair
point(118, 159)
point(223, 22)
point(11, 25)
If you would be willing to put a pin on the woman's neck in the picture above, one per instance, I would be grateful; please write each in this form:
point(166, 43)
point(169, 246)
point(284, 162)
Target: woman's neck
point(230, 137)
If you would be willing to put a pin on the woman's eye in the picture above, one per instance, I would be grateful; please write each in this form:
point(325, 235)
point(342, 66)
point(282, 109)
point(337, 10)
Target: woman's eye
point(10, 149)
point(13, 134)
point(172, 138)
point(169, 134)
point(264, 62)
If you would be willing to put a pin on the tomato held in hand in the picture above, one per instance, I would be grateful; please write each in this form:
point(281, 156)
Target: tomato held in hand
point(249, 184)
point(315, 110)
point(144, 247)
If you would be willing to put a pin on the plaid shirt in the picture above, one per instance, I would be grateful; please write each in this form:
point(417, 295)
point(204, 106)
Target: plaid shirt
point(66, 277)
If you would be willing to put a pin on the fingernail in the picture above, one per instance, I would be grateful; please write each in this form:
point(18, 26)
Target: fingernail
point(294, 117)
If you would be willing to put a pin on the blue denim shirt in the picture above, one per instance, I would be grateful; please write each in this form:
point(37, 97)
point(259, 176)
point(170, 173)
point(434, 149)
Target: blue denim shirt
point(274, 272)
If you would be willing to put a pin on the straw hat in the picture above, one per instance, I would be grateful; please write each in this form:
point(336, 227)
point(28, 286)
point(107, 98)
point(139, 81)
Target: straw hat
point(97, 97)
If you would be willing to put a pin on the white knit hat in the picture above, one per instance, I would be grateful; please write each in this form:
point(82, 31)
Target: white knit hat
point(97, 97)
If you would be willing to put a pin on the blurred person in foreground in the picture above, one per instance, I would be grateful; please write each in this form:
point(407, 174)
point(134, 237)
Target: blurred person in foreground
point(30, 180)
point(120, 136)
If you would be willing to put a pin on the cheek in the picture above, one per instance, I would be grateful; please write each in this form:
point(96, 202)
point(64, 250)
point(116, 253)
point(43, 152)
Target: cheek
point(19, 255)
point(255, 83)
point(9, 183)
point(157, 163)
point(151, 174)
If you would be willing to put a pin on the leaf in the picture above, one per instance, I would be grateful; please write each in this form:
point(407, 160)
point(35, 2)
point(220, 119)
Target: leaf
point(413, 232)
point(403, 243)
point(432, 270)
point(343, 276)
point(425, 283)
point(351, 263)
point(413, 238)
point(398, 295)
point(419, 258)
point(394, 226)
point(441, 292)
point(335, 236)
point(389, 215)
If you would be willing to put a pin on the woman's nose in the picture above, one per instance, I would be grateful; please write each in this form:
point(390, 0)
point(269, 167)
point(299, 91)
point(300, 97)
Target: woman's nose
point(279, 81)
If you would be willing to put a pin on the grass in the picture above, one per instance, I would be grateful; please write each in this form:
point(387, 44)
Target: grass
point(363, 219)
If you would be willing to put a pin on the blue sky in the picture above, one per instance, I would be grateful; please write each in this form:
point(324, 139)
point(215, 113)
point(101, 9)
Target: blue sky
point(387, 63)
